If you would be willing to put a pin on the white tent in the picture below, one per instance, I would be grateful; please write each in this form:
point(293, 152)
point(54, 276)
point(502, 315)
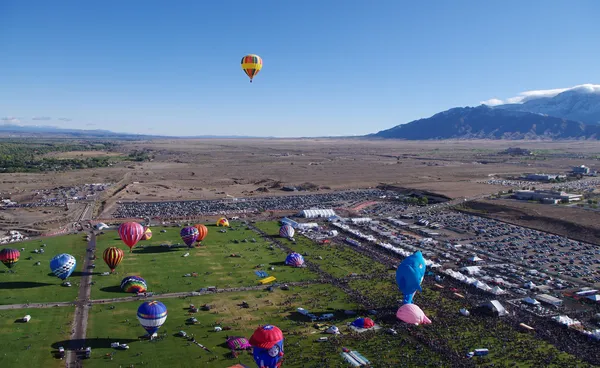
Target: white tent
point(497, 291)
point(315, 213)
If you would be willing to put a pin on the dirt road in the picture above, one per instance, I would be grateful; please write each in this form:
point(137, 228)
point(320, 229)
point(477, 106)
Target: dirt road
point(79, 327)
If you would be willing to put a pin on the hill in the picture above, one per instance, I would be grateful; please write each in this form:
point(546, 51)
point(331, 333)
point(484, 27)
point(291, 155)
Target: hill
point(484, 122)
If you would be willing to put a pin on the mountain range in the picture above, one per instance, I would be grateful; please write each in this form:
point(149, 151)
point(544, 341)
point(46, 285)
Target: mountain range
point(571, 114)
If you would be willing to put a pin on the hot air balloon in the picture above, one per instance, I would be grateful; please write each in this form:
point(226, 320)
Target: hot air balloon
point(63, 265)
point(189, 234)
point(202, 232)
point(9, 256)
point(131, 233)
point(267, 346)
point(251, 65)
point(294, 259)
point(152, 315)
point(223, 222)
point(147, 234)
point(287, 231)
point(133, 284)
point(113, 256)
point(409, 275)
point(411, 313)
point(363, 323)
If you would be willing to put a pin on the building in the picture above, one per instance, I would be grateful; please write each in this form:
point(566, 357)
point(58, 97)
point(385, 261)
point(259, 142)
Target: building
point(549, 299)
point(317, 213)
point(544, 177)
point(583, 170)
point(539, 195)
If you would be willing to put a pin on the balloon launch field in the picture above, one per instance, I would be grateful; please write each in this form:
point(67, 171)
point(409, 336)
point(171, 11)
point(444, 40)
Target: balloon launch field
point(30, 344)
point(36, 283)
point(211, 264)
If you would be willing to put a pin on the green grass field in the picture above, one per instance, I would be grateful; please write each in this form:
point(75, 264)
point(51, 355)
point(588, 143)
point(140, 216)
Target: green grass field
point(164, 268)
point(278, 308)
point(31, 283)
point(338, 261)
point(46, 327)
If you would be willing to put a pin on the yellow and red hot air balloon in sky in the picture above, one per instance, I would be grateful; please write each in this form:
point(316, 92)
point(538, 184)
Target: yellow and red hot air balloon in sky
point(251, 65)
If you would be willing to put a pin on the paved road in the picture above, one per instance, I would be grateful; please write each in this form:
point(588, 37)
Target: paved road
point(79, 327)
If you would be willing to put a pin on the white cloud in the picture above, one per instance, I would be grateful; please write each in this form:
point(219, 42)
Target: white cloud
point(532, 95)
point(11, 120)
point(41, 118)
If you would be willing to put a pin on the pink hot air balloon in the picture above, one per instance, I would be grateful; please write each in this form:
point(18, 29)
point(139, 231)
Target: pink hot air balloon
point(411, 313)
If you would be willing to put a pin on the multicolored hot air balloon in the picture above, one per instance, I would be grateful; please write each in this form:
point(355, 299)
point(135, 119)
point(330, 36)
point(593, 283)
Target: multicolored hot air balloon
point(238, 343)
point(411, 313)
point(202, 232)
point(409, 275)
point(63, 265)
point(147, 234)
point(363, 323)
point(113, 256)
point(223, 222)
point(134, 284)
point(267, 346)
point(152, 315)
point(189, 234)
point(131, 233)
point(251, 65)
point(287, 231)
point(9, 257)
point(294, 259)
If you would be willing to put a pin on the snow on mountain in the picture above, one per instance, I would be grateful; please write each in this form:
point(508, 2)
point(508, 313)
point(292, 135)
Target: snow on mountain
point(579, 103)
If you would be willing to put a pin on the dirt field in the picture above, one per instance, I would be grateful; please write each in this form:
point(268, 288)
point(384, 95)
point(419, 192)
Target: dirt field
point(215, 168)
point(81, 154)
point(571, 222)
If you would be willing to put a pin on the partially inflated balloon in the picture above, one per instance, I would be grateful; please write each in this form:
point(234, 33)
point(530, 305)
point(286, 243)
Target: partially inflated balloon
point(267, 346)
point(223, 222)
point(152, 315)
point(251, 65)
point(411, 313)
point(131, 233)
point(147, 234)
point(9, 257)
point(63, 265)
point(113, 257)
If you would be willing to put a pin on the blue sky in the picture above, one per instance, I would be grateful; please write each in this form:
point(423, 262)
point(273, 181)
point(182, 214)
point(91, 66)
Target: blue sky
point(331, 67)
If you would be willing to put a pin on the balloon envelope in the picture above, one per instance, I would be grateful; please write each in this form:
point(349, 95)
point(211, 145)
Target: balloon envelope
point(411, 313)
point(294, 259)
point(147, 234)
point(131, 233)
point(134, 284)
point(267, 346)
point(251, 65)
point(63, 265)
point(222, 222)
point(409, 275)
point(9, 257)
point(152, 315)
point(238, 343)
point(189, 235)
point(363, 323)
point(286, 231)
point(202, 232)
point(113, 257)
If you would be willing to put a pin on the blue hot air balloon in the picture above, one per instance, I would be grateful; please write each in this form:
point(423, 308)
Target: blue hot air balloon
point(267, 346)
point(294, 259)
point(152, 315)
point(409, 275)
point(63, 265)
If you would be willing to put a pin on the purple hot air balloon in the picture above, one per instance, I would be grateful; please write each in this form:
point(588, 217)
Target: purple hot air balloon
point(189, 235)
